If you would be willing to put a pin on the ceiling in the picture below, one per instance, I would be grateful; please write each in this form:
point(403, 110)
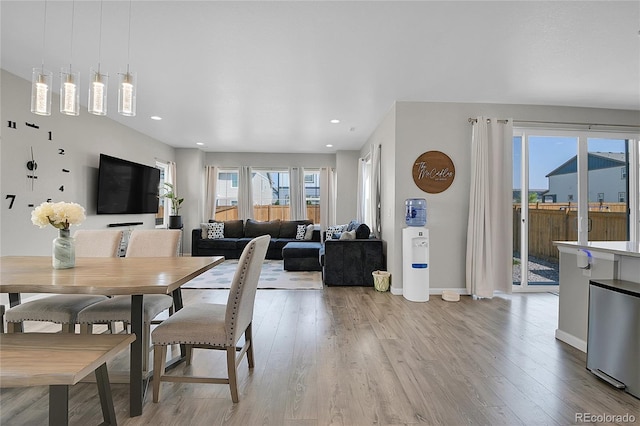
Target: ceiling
point(265, 76)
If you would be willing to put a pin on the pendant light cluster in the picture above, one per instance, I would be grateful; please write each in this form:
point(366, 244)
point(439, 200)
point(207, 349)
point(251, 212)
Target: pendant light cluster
point(70, 82)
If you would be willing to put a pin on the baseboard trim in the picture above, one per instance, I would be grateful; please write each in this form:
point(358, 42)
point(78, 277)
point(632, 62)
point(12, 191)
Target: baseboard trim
point(436, 291)
point(571, 340)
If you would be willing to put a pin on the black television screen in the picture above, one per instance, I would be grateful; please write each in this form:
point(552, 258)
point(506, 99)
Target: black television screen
point(125, 187)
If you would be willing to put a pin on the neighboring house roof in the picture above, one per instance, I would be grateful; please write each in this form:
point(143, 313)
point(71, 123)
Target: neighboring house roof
point(596, 161)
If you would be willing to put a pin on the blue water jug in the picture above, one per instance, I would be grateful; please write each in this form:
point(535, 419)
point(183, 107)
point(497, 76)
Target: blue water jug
point(416, 211)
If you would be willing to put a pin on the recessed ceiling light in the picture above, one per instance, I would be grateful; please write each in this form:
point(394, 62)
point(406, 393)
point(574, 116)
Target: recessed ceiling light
point(155, 117)
point(329, 145)
point(335, 121)
point(199, 143)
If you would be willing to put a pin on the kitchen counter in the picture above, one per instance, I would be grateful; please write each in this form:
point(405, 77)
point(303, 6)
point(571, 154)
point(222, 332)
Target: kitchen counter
point(607, 260)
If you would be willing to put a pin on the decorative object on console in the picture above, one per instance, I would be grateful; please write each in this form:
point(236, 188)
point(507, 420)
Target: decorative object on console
point(60, 215)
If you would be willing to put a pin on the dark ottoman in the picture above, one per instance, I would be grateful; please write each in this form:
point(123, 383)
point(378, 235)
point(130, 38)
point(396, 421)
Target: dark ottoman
point(301, 256)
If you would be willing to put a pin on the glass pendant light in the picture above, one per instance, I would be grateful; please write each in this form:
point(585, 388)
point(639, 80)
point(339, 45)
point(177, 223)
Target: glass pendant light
point(127, 84)
point(70, 81)
point(41, 91)
point(127, 94)
point(41, 80)
point(98, 83)
point(98, 92)
point(69, 93)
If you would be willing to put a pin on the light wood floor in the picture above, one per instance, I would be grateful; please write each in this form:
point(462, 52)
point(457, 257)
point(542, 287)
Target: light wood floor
point(351, 356)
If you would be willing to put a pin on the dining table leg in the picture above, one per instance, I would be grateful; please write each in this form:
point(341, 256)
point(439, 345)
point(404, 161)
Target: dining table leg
point(136, 381)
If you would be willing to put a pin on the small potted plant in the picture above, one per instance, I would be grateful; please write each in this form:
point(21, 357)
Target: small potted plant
point(175, 220)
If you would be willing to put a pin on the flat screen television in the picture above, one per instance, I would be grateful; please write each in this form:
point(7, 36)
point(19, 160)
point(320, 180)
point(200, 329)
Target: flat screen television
point(125, 187)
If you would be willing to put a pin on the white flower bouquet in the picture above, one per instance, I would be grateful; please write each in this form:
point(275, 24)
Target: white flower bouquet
point(60, 215)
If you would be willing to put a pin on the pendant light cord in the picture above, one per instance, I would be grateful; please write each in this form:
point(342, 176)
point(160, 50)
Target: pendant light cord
point(73, 14)
point(44, 33)
point(100, 39)
point(129, 39)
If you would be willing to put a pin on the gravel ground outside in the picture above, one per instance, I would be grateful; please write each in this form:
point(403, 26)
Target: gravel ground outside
point(540, 271)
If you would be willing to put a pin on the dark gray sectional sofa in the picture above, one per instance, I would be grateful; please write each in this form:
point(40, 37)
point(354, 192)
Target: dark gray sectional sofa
point(238, 233)
point(344, 262)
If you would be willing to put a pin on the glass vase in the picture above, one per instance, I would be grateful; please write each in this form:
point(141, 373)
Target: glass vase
point(64, 251)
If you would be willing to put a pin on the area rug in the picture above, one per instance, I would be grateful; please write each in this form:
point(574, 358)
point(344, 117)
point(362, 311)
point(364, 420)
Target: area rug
point(272, 276)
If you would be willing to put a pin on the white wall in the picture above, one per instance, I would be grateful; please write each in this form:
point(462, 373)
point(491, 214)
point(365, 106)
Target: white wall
point(347, 185)
point(283, 160)
point(83, 138)
point(385, 136)
point(412, 128)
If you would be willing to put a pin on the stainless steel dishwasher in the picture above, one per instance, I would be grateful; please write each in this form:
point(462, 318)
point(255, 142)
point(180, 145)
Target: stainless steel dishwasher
point(613, 345)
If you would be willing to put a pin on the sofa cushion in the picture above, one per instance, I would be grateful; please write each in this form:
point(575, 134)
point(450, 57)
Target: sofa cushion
point(289, 228)
point(333, 230)
point(351, 226)
point(279, 243)
point(232, 228)
point(255, 228)
point(348, 235)
point(362, 232)
point(212, 230)
point(300, 233)
point(218, 244)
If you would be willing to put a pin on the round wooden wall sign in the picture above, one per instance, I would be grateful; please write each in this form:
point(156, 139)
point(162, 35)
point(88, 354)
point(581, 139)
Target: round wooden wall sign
point(433, 172)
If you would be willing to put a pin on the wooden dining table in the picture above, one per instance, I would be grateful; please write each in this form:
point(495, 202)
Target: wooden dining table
point(134, 276)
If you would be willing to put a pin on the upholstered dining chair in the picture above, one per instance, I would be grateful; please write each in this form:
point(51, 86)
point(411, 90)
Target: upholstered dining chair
point(142, 243)
point(64, 308)
point(214, 326)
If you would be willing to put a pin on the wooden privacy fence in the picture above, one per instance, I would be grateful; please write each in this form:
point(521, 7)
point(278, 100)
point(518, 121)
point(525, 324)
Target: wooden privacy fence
point(546, 226)
point(266, 213)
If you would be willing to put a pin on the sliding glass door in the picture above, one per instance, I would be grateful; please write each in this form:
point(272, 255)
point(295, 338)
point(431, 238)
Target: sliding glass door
point(569, 186)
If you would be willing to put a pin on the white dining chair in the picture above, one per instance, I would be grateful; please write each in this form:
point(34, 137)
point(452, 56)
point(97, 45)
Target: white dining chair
point(142, 243)
point(64, 308)
point(215, 326)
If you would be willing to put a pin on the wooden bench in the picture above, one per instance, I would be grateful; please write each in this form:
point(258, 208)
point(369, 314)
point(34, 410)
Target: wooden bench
point(60, 360)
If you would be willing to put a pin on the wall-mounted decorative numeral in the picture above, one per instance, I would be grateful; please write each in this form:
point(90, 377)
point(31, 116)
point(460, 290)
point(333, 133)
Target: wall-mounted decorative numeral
point(50, 136)
point(32, 177)
point(48, 200)
point(32, 125)
point(65, 170)
point(12, 124)
point(60, 151)
point(11, 197)
point(61, 188)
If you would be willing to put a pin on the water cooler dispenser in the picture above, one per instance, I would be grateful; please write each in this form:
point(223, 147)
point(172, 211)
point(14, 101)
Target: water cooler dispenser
point(415, 252)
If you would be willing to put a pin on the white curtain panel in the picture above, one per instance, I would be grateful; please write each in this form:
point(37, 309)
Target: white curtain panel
point(360, 211)
point(374, 199)
point(210, 185)
point(245, 193)
point(489, 232)
point(327, 198)
point(298, 204)
point(171, 174)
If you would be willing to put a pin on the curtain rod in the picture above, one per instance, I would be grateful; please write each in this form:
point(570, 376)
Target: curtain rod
point(566, 123)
